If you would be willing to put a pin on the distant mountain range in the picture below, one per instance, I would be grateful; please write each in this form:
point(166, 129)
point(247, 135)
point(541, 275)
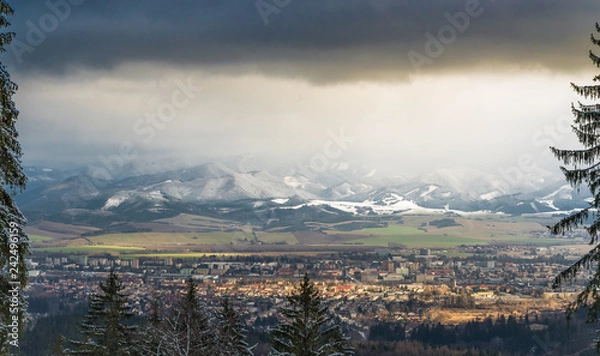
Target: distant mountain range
point(217, 189)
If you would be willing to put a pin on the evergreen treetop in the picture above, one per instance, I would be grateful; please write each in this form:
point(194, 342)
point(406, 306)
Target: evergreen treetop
point(105, 329)
point(232, 332)
point(189, 328)
point(307, 329)
point(582, 167)
point(14, 243)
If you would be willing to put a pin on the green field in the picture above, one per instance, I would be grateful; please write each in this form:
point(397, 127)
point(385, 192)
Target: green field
point(157, 239)
point(529, 240)
point(391, 230)
point(456, 254)
point(39, 238)
point(179, 255)
point(273, 237)
point(422, 240)
point(91, 250)
point(414, 233)
point(470, 233)
point(410, 237)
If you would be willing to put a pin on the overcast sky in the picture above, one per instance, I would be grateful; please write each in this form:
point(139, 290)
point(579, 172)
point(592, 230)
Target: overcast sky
point(414, 85)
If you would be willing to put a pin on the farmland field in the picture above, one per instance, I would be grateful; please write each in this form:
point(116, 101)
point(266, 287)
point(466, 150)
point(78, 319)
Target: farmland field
point(196, 222)
point(422, 240)
point(415, 231)
point(157, 239)
point(39, 238)
point(391, 230)
point(114, 250)
point(274, 237)
point(178, 255)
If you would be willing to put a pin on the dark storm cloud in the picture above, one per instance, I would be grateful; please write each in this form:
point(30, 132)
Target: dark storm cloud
point(317, 40)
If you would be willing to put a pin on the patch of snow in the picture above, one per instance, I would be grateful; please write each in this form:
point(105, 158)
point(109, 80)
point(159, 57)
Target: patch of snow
point(280, 201)
point(430, 189)
point(116, 200)
point(294, 182)
point(550, 213)
point(156, 195)
point(549, 203)
point(258, 204)
point(490, 195)
point(565, 190)
point(412, 191)
point(394, 206)
point(371, 173)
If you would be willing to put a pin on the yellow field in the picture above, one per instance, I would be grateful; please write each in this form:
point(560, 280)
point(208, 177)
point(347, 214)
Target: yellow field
point(273, 237)
point(158, 239)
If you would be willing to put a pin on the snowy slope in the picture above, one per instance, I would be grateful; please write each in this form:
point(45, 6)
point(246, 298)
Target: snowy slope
point(359, 191)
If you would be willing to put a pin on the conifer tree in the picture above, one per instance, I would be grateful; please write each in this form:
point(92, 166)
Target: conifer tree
point(152, 337)
point(105, 327)
point(307, 329)
point(582, 167)
point(189, 330)
point(56, 348)
point(232, 332)
point(14, 243)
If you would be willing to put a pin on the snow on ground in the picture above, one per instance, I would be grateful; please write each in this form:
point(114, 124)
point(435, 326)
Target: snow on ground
point(549, 203)
point(390, 207)
point(490, 195)
point(563, 192)
point(116, 200)
point(156, 195)
point(429, 190)
point(413, 191)
point(295, 182)
point(551, 213)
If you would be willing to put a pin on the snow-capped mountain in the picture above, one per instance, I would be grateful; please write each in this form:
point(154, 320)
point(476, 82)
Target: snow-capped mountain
point(226, 186)
point(214, 185)
point(468, 182)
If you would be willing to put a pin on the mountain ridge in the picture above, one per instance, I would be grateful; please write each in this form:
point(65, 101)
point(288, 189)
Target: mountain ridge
point(210, 185)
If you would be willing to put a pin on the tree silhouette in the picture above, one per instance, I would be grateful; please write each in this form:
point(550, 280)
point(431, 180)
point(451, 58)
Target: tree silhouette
point(14, 243)
point(582, 166)
point(232, 332)
point(307, 329)
point(189, 329)
point(105, 328)
point(151, 336)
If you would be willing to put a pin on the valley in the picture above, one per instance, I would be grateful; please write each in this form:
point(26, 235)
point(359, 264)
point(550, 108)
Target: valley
point(226, 208)
point(403, 254)
point(189, 234)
